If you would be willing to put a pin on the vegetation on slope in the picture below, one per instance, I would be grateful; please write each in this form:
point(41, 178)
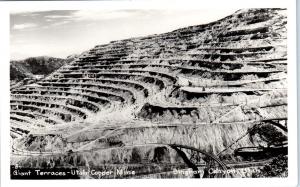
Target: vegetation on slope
point(42, 65)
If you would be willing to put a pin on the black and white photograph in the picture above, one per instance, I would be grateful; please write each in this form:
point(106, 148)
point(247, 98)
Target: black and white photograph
point(149, 93)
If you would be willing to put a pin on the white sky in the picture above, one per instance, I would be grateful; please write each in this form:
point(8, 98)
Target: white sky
point(65, 32)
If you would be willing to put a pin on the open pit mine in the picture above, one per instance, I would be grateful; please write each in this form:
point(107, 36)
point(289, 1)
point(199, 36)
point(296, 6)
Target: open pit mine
point(205, 101)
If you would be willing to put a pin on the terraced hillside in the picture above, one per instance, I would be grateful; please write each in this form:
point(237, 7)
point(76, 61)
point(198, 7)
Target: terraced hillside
point(205, 96)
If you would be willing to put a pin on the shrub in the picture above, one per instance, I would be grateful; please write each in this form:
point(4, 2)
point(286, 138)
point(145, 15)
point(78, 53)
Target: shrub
point(277, 168)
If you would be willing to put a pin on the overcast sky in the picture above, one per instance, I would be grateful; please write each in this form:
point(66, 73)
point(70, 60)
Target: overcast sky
point(61, 33)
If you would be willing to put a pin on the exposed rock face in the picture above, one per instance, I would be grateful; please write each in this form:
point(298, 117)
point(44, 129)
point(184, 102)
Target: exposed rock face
point(205, 86)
